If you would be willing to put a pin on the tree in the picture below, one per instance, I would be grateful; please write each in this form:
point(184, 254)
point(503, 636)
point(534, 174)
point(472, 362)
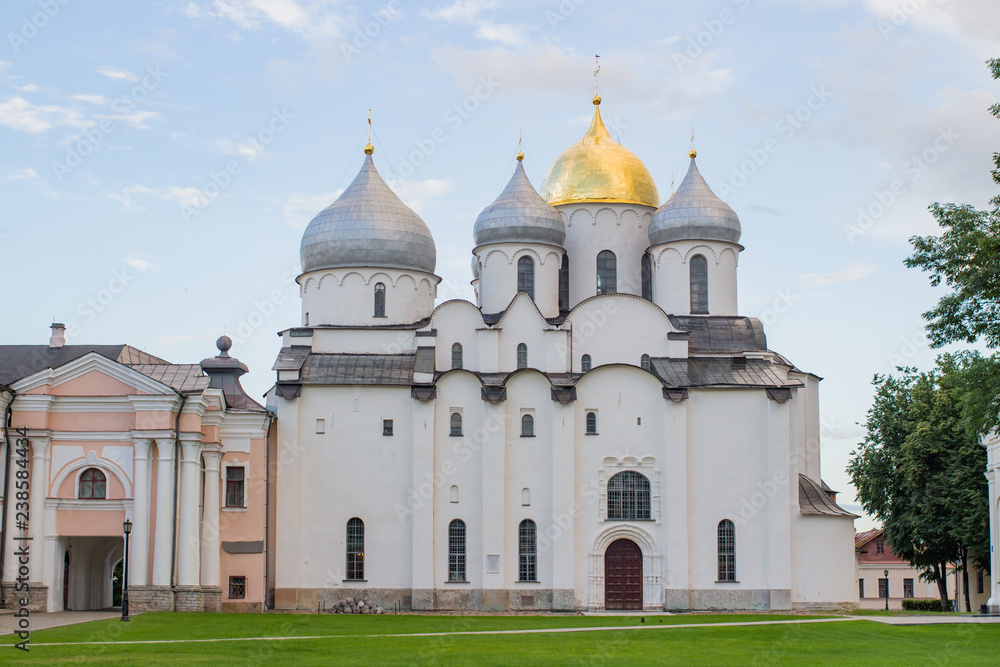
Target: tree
point(919, 470)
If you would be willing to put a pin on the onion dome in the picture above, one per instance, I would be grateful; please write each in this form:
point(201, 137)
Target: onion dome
point(368, 226)
point(599, 169)
point(694, 212)
point(519, 215)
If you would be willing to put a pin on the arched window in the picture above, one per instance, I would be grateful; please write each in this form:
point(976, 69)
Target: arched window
point(628, 496)
point(585, 363)
point(591, 423)
point(699, 285)
point(644, 362)
point(456, 355)
point(379, 300)
point(453, 497)
point(607, 272)
point(522, 355)
point(93, 484)
point(564, 284)
point(526, 496)
point(727, 551)
point(456, 423)
point(356, 549)
point(647, 277)
point(526, 276)
point(456, 550)
point(527, 551)
point(527, 426)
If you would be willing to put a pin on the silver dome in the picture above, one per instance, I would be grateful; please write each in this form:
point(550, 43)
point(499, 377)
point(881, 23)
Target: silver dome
point(367, 226)
point(694, 212)
point(519, 215)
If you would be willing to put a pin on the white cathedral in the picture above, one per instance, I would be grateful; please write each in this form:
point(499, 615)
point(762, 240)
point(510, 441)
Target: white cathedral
point(600, 430)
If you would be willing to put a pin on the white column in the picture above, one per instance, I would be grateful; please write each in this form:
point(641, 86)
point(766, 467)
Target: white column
point(138, 563)
point(994, 602)
point(210, 540)
point(163, 538)
point(423, 559)
point(564, 503)
point(10, 562)
point(188, 542)
point(39, 491)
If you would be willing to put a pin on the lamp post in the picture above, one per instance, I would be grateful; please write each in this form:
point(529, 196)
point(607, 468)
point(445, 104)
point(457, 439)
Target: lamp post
point(886, 573)
point(127, 527)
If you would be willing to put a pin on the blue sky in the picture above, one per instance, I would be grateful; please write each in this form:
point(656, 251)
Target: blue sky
point(159, 160)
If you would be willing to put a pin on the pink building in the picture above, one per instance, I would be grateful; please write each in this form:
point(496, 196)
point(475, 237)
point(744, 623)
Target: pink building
point(115, 433)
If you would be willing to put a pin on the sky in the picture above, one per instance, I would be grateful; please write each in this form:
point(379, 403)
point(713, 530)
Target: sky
point(160, 160)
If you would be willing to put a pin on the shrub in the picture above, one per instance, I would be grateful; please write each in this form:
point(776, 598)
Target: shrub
point(913, 604)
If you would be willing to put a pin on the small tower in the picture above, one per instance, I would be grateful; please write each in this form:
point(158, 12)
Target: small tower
point(367, 258)
point(519, 248)
point(694, 245)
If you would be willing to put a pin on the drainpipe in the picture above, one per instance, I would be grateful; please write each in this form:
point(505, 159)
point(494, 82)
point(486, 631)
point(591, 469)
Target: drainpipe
point(6, 486)
point(267, 493)
point(177, 456)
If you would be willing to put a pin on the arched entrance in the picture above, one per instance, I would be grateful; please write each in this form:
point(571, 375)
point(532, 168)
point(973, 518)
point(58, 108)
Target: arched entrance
point(623, 575)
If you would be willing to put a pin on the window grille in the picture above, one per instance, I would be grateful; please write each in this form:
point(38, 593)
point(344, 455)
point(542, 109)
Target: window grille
point(356, 549)
point(727, 551)
point(628, 496)
point(526, 276)
point(527, 426)
point(93, 485)
point(386, 427)
point(456, 550)
point(861, 588)
point(456, 355)
point(585, 363)
point(234, 486)
point(456, 423)
point(564, 284)
point(647, 277)
point(644, 362)
point(527, 551)
point(907, 588)
point(699, 285)
point(237, 588)
point(607, 272)
point(522, 355)
point(379, 300)
point(591, 423)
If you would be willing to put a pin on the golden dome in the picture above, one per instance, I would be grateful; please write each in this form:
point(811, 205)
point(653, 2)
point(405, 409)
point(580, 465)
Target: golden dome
point(599, 169)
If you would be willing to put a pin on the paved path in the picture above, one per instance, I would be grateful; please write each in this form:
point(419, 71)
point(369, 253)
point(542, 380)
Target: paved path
point(928, 619)
point(42, 621)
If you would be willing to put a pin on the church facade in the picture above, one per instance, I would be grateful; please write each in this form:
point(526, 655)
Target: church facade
point(600, 430)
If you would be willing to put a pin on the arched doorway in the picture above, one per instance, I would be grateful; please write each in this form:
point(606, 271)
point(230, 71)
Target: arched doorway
point(623, 575)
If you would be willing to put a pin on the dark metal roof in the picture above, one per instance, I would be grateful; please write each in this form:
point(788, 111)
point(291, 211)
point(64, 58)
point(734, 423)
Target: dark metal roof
point(378, 369)
point(424, 361)
point(19, 361)
point(813, 500)
point(291, 358)
point(183, 378)
point(711, 334)
point(717, 372)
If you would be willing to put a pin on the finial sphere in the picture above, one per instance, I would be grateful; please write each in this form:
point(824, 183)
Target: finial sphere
point(224, 344)
point(597, 99)
point(693, 153)
point(369, 149)
point(520, 156)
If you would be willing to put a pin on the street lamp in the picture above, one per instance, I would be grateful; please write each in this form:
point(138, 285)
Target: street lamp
point(127, 527)
point(886, 573)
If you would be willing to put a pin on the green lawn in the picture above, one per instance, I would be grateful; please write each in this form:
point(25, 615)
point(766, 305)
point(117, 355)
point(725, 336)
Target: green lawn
point(840, 643)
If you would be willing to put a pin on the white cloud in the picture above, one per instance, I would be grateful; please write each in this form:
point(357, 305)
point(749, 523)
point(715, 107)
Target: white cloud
point(314, 20)
point(967, 20)
point(135, 118)
point(19, 114)
point(849, 274)
point(189, 196)
point(117, 74)
point(418, 194)
point(29, 88)
point(468, 12)
point(138, 261)
point(299, 209)
point(21, 174)
point(91, 99)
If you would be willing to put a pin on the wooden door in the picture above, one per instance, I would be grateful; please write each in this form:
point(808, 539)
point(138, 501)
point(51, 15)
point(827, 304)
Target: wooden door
point(623, 575)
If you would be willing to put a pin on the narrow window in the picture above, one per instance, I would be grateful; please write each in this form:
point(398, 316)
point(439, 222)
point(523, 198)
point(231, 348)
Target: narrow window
point(647, 277)
point(356, 549)
point(527, 426)
point(628, 496)
point(883, 588)
point(585, 363)
point(861, 588)
point(880, 546)
point(564, 284)
point(607, 272)
point(727, 551)
point(234, 485)
point(456, 355)
point(93, 485)
point(456, 550)
point(908, 588)
point(591, 423)
point(644, 362)
point(527, 551)
point(526, 276)
point(526, 502)
point(522, 355)
point(456, 424)
point(979, 581)
point(386, 427)
point(305, 320)
point(453, 494)
point(379, 300)
point(699, 285)
point(237, 588)
point(320, 426)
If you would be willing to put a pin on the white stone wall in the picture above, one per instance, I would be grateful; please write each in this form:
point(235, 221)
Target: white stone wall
point(347, 296)
point(672, 275)
point(498, 275)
